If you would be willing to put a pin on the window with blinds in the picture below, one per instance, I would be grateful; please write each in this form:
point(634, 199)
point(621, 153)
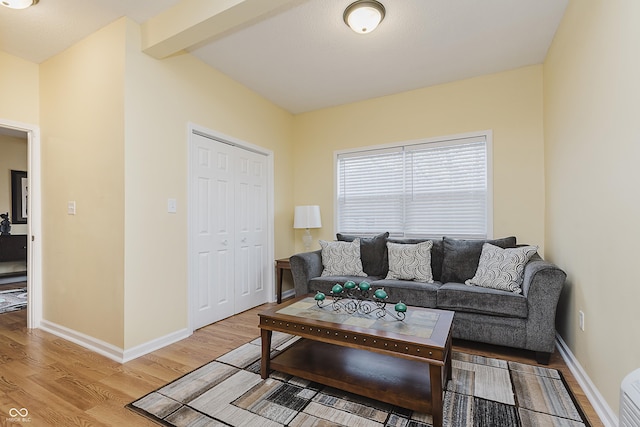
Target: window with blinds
point(431, 189)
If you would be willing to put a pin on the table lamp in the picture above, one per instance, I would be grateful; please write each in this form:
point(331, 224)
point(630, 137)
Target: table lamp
point(307, 217)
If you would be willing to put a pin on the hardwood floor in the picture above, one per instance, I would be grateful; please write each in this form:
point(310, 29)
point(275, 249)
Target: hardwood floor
point(63, 384)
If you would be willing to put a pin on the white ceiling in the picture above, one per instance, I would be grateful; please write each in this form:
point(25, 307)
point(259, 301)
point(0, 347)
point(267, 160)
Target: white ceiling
point(305, 58)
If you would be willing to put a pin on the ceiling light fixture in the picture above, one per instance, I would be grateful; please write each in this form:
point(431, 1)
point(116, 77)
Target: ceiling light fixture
point(18, 4)
point(364, 16)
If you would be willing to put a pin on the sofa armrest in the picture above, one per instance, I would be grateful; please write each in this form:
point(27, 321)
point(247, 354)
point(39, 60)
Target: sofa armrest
point(304, 267)
point(542, 285)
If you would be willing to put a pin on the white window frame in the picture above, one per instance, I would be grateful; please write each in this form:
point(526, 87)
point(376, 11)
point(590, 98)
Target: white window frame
point(487, 134)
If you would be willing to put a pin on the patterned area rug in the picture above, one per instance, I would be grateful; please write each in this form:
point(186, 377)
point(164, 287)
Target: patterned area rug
point(483, 392)
point(12, 300)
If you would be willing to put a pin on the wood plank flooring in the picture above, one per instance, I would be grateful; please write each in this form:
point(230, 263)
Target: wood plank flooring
point(63, 384)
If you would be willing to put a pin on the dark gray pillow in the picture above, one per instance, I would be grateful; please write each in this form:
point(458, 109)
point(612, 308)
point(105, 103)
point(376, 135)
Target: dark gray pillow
point(373, 253)
point(437, 254)
point(461, 257)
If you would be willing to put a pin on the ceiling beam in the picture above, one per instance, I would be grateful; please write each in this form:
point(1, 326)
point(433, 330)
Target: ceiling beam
point(191, 22)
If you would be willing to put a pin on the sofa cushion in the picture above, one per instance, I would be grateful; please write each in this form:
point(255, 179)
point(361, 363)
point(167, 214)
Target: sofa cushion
point(502, 268)
point(410, 262)
point(341, 258)
point(411, 293)
point(474, 299)
point(437, 254)
point(373, 252)
point(461, 257)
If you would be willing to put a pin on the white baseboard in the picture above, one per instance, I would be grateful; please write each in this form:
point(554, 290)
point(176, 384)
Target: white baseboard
point(600, 405)
point(288, 293)
point(83, 340)
point(109, 350)
point(156, 344)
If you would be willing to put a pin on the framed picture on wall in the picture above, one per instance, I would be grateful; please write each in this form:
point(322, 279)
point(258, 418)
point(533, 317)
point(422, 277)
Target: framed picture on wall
point(19, 197)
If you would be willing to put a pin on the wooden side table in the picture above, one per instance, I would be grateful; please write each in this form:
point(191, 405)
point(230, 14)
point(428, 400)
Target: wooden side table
point(281, 265)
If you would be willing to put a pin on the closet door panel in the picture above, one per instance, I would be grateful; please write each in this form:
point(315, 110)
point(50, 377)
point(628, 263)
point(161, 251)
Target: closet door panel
point(213, 297)
point(251, 185)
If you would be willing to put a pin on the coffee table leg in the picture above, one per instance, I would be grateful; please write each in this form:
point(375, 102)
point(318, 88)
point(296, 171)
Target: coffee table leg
point(435, 374)
point(266, 353)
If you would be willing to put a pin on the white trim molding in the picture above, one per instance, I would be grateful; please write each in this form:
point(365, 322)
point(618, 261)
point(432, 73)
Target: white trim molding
point(34, 224)
point(155, 344)
point(111, 351)
point(600, 405)
point(290, 293)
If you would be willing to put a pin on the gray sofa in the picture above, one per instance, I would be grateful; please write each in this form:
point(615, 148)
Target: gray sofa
point(525, 320)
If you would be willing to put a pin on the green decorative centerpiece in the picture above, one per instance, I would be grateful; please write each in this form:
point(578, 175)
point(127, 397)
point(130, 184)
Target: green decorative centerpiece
point(352, 298)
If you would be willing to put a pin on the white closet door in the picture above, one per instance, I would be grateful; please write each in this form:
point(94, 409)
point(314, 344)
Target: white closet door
point(231, 212)
point(215, 229)
point(252, 264)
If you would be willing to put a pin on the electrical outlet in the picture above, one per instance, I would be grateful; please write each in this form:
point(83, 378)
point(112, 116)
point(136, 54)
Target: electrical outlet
point(581, 319)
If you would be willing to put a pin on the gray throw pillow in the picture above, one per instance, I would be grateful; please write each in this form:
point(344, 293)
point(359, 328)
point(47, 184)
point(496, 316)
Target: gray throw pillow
point(502, 268)
point(373, 252)
point(461, 257)
point(341, 258)
point(437, 253)
point(410, 262)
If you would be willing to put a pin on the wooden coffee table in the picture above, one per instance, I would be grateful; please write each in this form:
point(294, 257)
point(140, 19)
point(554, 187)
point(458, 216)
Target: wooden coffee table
point(404, 363)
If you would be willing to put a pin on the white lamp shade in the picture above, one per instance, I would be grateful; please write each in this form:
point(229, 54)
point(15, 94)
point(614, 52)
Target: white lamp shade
point(307, 217)
point(18, 4)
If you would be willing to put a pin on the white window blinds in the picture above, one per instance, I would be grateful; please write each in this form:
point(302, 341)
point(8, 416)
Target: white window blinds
point(427, 190)
point(371, 191)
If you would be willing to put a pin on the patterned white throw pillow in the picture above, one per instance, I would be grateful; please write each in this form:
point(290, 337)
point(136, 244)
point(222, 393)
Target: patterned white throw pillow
point(410, 262)
point(502, 268)
point(341, 258)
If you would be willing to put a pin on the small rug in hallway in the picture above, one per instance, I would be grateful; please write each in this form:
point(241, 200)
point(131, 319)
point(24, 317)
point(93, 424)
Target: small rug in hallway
point(12, 300)
point(483, 392)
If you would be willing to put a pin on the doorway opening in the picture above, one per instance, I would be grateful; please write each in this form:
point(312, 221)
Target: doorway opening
point(20, 196)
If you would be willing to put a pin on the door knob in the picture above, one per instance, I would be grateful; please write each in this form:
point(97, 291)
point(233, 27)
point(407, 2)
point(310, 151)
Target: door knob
point(244, 240)
point(224, 242)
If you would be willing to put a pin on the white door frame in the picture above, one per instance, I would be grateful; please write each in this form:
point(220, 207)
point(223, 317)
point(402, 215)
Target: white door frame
point(34, 223)
point(191, 197)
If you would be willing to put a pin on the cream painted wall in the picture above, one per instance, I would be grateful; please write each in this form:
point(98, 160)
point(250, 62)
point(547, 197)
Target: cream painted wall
point(592, 150)
point(82, 109)
point(19, 86)
point(115, 140)
point(509, 103)
point(19, 103)
point(13, 156)
point(162, 97)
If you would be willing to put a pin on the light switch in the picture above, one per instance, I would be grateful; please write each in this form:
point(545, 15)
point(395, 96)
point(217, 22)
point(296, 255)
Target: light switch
point(71, 207)
point(172, 205)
